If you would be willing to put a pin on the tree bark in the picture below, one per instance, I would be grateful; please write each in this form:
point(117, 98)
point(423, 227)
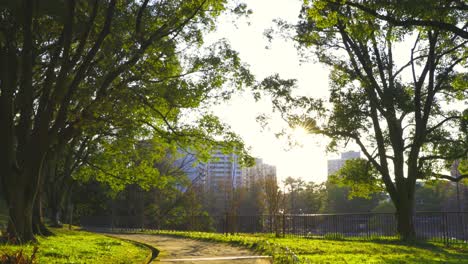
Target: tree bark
point(21, 190)
point(55, 213)
point(405, 225)
point(39, 227)
point(20, 198)
point(405, 212)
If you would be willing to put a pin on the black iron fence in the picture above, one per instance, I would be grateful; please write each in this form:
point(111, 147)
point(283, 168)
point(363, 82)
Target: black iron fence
point(447, 227)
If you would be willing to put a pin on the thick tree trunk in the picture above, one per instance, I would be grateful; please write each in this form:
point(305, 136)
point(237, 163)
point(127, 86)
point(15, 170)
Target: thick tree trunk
point(405, 224)
point(21, 190)
point(39, 227)
point(21, 198)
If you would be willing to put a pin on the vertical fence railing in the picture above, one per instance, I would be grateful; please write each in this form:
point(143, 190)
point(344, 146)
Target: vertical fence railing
point(446, 227)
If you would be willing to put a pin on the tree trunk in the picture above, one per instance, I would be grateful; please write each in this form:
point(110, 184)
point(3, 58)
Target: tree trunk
point(21, 199)
point(39, 228)
point(55, 213)
point(405, 224)
point(21, 190)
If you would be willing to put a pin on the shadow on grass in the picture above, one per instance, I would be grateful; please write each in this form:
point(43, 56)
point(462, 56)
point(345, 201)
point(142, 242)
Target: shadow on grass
point(458, 250)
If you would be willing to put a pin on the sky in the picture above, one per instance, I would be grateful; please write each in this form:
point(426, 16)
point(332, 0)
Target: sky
point(246, 36)
point(308, 161)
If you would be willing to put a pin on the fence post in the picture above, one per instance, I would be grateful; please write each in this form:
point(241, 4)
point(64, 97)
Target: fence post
point(284, 225)
point(446, 240)
point(225, 224)
point(368, 226)
point(463, 215)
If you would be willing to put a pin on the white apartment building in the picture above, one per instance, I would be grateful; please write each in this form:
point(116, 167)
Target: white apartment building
point(259, 172)
point(335, 164)
point(222, 172)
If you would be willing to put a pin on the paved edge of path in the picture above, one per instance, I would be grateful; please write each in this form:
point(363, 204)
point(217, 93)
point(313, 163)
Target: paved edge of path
point(217, 258)
point(154, 251)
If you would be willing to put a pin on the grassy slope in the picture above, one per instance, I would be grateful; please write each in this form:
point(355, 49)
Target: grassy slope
point(343, 251)
point(82, 247)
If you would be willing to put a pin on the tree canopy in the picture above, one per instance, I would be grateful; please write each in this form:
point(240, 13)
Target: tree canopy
point(398, 107)
point(116, 70)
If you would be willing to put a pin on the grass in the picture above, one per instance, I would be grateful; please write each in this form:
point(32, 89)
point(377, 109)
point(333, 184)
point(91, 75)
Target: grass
point(304, 250)
point(82, 247)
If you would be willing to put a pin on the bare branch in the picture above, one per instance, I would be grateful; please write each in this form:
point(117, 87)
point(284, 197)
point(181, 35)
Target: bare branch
point(450, 178)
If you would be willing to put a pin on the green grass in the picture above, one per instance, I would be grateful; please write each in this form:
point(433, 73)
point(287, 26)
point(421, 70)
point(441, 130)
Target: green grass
point(304, 250)
point(82, 247)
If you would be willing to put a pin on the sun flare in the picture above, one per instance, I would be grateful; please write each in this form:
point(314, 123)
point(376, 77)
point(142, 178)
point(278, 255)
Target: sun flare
point(299, 133)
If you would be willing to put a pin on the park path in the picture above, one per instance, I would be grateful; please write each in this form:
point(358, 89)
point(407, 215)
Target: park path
point(184, 251)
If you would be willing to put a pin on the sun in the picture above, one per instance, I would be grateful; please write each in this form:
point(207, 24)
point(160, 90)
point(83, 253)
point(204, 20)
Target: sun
point(299, 133)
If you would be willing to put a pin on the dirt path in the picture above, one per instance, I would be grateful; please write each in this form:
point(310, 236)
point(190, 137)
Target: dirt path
point(182, 250)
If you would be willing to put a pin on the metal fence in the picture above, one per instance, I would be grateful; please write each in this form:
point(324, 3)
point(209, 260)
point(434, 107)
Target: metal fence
point(447, 227)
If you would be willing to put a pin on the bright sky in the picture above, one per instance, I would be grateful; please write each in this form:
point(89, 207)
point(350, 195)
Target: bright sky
point(309, 161)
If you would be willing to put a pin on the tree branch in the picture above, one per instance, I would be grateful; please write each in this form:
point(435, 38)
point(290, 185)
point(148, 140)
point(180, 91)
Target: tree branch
point(450, 178)
point(411, 22)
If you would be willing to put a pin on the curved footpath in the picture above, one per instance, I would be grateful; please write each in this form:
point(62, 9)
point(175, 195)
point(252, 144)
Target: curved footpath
point(184, 250)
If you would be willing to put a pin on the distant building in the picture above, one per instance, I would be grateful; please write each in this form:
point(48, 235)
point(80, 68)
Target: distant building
point(461, 189)
point(219, 178)
point(350, 155)
point(335, 164)
point(222, 175)
point(454, 172)
point(221, 172)
point(257, 173)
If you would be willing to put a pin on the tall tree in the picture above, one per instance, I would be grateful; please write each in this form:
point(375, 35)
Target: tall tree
point(67, 64)
point(273, 199)
point(398, 112)
point(294, 187)
point(450, 15)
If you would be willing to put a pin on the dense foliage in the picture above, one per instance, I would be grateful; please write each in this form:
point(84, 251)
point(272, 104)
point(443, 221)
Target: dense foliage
point(101, 76)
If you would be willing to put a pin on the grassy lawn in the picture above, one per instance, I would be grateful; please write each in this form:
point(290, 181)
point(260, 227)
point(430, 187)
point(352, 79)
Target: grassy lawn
point(82, 247)
point(303, 250)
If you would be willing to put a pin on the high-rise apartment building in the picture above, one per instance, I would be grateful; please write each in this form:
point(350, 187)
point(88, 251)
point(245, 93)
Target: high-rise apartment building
point(257, 173)
point(335, 164)
point(222, 175)
point(222, 172)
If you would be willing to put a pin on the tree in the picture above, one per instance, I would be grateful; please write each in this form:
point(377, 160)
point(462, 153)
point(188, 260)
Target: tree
point(436, 196)
point(396, 112)
point(360, 176)
point(340, 199)
point(439, 15)
point(294, 187)
point(66, 65)
point(312, 197)
point(273, 200)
